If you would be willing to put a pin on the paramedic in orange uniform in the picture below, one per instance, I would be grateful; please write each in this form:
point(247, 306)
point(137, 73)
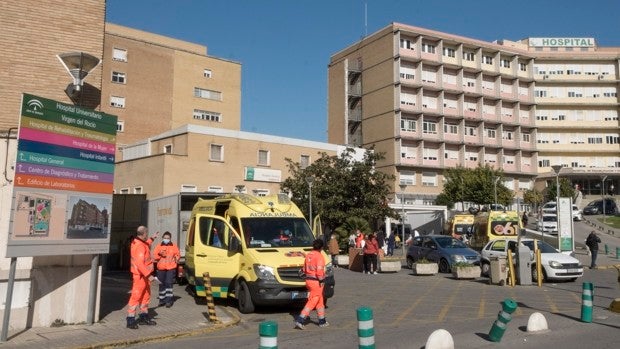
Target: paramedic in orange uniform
point(167, 256)
point(314, 268)
point(142, 274)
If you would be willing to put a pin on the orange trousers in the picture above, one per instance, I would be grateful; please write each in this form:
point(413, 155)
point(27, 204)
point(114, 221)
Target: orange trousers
point(140, 295)
point(315, 299)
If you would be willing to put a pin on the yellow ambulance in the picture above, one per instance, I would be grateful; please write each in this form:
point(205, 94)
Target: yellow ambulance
point(494, 225)
point(253, 248)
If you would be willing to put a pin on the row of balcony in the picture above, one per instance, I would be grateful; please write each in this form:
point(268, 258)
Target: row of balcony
point(514, 166)
point(478, 140)
point(515, 91)
point(513, 116)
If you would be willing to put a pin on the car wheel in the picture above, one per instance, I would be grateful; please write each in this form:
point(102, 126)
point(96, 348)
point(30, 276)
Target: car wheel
point(535, 274)
point(444, 266)
point(486, 268)
point(244, 299)
point(410, 262)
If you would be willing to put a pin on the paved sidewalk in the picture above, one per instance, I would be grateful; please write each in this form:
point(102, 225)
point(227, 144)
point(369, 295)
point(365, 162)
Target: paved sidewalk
point(188, 316)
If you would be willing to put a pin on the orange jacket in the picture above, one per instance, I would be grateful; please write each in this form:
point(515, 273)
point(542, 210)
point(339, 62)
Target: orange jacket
point(141, 262)
point(314, 266)
point(166, 256)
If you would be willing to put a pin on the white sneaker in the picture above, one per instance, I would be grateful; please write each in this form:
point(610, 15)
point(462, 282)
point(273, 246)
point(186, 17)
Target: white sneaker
point(375, 273)
point(299, 325)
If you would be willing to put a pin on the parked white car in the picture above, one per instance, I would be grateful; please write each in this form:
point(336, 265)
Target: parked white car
point(556, 265)
point(549, 207)
point(548, 223)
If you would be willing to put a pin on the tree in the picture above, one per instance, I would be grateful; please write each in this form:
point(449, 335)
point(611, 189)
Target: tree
point(533, 198)
point(343, 187)
point(474, 185)
point(566, 189)
point(351, 224)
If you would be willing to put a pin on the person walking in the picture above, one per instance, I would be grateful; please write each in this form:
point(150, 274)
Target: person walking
point(592, 242)
point(142, 274)
point(524, 219)
point(391, 243)
point(314, 268)
point(334, 249)
point(371, 250)
point(166, 256)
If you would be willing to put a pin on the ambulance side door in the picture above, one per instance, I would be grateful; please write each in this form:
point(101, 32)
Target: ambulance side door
point(212, 253)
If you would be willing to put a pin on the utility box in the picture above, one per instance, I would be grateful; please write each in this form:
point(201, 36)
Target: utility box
point(499, 272)
point(524, 266)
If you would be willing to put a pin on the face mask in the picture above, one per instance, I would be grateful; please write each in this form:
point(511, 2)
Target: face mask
point(166, 241)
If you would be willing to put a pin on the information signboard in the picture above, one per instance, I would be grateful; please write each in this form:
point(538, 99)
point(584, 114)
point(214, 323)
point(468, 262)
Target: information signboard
point(64, 171)
point(565, 225)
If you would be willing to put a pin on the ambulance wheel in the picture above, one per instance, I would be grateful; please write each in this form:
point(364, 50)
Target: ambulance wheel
point(244, 299)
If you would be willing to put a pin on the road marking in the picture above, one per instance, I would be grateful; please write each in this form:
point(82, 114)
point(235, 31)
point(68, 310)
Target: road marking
point(407, 311)
point(444, 311)
point(483, 300)
point(552, 306)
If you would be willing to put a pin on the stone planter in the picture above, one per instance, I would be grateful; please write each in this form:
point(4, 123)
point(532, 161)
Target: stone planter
point(469, 272)
point(390, 266)
point(342, 260)
point(425, 268)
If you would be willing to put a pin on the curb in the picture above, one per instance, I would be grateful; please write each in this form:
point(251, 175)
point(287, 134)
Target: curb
point(123, 343)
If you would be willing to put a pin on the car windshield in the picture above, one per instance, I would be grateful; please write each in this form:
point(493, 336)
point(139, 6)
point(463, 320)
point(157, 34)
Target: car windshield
point(449, 242)
point(276, 232)
point(550, 219)
point(542, 246)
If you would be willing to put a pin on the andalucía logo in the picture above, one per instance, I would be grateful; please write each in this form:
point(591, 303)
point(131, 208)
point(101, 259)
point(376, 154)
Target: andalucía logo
point(36, 105)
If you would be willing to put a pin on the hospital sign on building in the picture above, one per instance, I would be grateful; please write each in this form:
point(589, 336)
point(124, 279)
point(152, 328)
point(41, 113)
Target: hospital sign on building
point(63, 183)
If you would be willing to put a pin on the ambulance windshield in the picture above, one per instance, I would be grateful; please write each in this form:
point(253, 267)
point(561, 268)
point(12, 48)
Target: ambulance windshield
point(276, 232)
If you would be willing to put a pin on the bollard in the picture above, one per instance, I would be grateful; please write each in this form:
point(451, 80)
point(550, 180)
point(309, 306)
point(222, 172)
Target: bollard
point(268, 332)
point(503, 318)
point(606, 249)
point(586, 302)
point(365, 328)
point(617, 252)
point(209, 296)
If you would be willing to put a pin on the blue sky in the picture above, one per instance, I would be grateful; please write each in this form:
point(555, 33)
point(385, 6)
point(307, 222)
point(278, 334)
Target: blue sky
point(284, 46)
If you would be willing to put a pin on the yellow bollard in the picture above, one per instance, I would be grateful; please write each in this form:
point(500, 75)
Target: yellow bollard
point(209, 295)
point(511, 269)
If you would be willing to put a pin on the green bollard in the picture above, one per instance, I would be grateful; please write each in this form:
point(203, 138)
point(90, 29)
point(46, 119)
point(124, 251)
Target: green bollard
point(606, 249)
point(503, 318)
point(586, 302)
point(617, 252)
point(365, 328)
point(268, 332)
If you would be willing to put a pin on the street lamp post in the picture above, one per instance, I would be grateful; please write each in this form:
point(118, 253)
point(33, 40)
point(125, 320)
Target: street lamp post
point(557, 169)
point(310, 180)
point(402, 202)
point(462, 196)
point(603, 179)
point(495, 192)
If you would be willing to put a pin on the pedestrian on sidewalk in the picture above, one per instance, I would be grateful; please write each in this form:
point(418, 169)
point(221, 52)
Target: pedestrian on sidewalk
point(314, 269)
point(592, 242)
point(167, 256)
point(371, 250)
point(334, 249)
point(142, 274)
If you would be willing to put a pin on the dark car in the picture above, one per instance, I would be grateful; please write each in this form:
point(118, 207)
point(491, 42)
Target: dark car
point(596, 207)
point(442, 249)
